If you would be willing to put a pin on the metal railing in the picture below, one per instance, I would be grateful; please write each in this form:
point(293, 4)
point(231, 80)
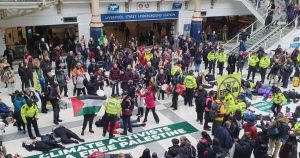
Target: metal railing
point(281, 34)
point(32, 1)
point(253, 31)
point(276, 34)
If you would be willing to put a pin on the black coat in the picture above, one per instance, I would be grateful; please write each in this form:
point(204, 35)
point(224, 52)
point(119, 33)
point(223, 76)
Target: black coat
point(200, 99)
point(173, 151)
point(261, 151)
point(244, 149)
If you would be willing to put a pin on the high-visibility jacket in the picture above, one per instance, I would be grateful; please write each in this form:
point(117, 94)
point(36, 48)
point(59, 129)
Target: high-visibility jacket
point(241, 106)
point(298, 57)
point(297, 127)
point(279, 98)
point(148, 56)
point(190, 82)
point(222, 57)
point(253, 60)
point(29, 112)
point(175, 69)
point(264, 62)
point(229, 103)
point(113, 106)
point(211, 56)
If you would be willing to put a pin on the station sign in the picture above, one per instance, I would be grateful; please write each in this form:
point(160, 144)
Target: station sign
point(139, 16)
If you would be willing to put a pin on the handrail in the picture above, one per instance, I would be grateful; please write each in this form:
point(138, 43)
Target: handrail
point(257, 31)
point(252, 31)
point(281, 31)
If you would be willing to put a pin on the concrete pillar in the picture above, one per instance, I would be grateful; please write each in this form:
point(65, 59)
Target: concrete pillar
point(2, 42)
point(196, 24)
point(95, 25)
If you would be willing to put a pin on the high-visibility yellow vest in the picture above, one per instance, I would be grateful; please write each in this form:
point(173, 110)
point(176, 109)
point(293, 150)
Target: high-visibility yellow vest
point(279, 98)
point(211, 56)
point(113, 106)
point(264, 62)
point(29, 111)
point(190, 82)
point(222, 57)
point(175, 69)
point(253, 60)
point(298, 57)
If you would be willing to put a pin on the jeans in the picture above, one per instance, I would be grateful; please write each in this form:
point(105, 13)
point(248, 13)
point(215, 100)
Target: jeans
point(274, 144)
point(115, 87)
point(127, 124)
point(197, 67)
point(154, 114)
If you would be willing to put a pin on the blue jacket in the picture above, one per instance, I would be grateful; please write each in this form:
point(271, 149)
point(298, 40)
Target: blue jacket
point(18, 103)
point(224, 137)
point(4, 108)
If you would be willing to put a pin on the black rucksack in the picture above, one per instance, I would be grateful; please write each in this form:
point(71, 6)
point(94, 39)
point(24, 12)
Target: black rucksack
point(52, 93)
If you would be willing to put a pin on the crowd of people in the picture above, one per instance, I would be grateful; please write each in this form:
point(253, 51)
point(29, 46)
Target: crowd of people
point(171, 67)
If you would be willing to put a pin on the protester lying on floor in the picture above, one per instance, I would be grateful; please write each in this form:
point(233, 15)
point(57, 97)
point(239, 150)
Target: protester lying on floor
point(44, 146)
point(66, 135)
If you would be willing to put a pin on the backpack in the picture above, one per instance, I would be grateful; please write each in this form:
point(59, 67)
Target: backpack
point(215, 109)
point(190, 151)
point(283, 129)
point(52, 93)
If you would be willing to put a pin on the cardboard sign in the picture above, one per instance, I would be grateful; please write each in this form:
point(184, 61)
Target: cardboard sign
point(231, 82)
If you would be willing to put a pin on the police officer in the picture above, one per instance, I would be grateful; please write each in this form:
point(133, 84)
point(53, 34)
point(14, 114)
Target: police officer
point(112, 109)
point(221, 58)
point(190, 83)
point(278, 100)
point(176, 68)
point(211, 57)
point(30, 114)
point(264, 64)
point(253, 60)
point(229, 103)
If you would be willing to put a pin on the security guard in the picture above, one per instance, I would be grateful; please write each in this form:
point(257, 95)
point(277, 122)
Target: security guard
point(221, 58)
point(253, 60)
point(278, 100)
point(30, 114)
point(176, 68)
point(190, 83)
point(211, 57)
point(264, 64)
point(112, 109)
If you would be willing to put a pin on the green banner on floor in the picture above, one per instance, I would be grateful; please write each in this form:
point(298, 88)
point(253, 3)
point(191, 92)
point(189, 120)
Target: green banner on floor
point(265, 106)
point(119, 143)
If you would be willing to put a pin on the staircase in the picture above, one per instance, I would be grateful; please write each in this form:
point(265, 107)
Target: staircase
point(258, 10)
point(274, 36)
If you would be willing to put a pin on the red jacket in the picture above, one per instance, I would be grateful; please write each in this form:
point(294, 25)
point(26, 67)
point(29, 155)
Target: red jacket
point(251, 129)
point(149, 98)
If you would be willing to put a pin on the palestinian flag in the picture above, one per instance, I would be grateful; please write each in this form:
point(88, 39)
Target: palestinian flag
point(87, 104)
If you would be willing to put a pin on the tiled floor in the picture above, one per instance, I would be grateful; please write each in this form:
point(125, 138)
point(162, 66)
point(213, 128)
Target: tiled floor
point(12, 139)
